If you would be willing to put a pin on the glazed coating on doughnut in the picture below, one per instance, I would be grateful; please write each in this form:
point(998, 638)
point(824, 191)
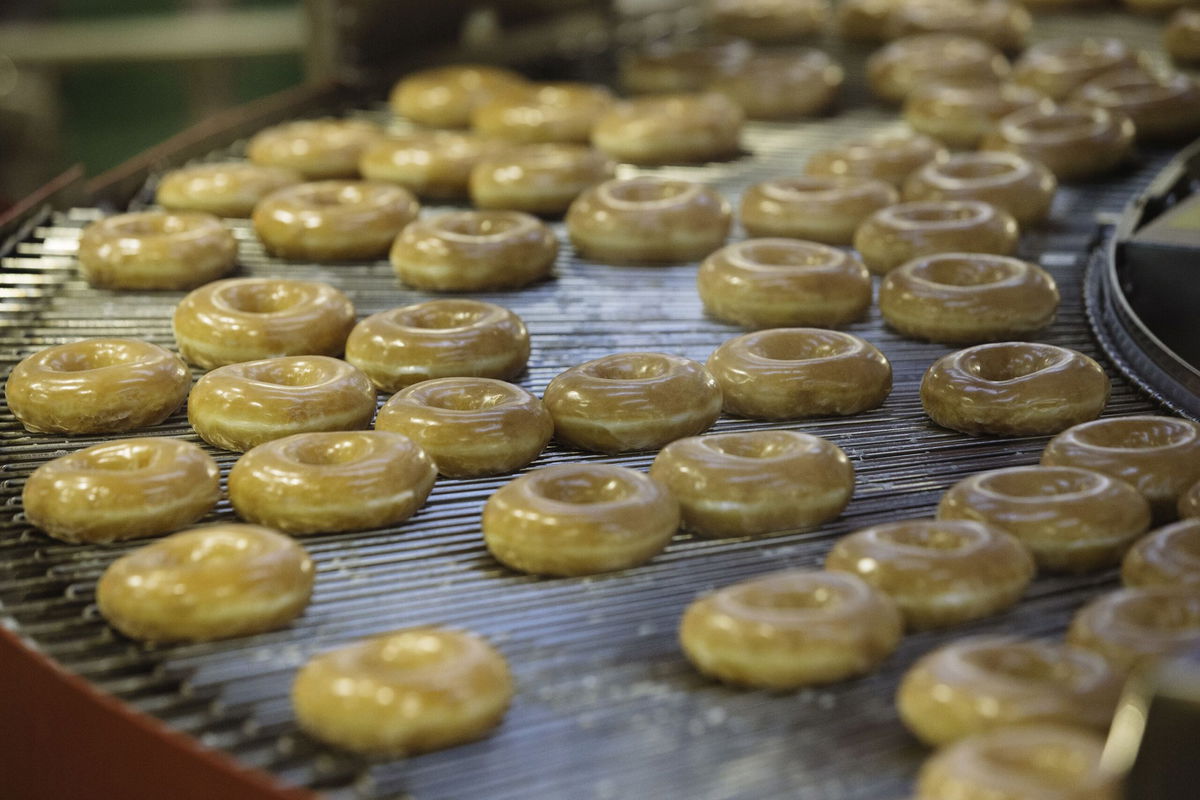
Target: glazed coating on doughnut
point(579, 519)
point(444, 97)
point(1189, 502)
point(900, 233)
point(670, 129)
point(1059, 66)
point(318, 149)
point(428, 163)
point(897, 69)
point(799, 83)
point(768, 21)
point(790, 629)
point(632, 401)
point(229, 189)
point(1001, 23)
point(826, 210)
point(1167, 557)
point(1014, 389)
point(754, 483)
point(1134, 628)
point(960, 115)
point(1021, 187)
point(155, 250)
point(545, 112)
point(1163, 107)
point(538, 179)
point(405, 692)
point(1072, 142)
point(208, 583)
point(1181, 37)
point(889, 156)
point(120, 490)
point(96, 386)
point(470, 426)
point(666, 67)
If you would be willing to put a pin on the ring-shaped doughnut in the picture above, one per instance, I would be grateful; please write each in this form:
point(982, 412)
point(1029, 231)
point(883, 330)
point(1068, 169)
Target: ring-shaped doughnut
point(228, 189)
point(818, 209)
point(670, 129)
point(897, 234)
point(1189, 502)
point(1014, 389)
point(1169, 556)
point(1059, 66)
point(546, 112)
point(755, 482)
point(889, 156)
point(1000, 23)
point(579, 519)
point(428, 163)
point(329, 482)
point(1181, 37)
point(1072, 142)
point(96, 386)
point(667, 67)
point(897, 69)
point(1021, 187)
point(156, 250)
point(444, 97)
point(961, 115)
point(538, 179)
point(318, 149)
point(768, 21)
point(1163, 107)
point(1133, 628)
point(120, 490)
point(240, 406)
point(632, 401)
point(439, 339)
point(801, 83)
point(470, 426)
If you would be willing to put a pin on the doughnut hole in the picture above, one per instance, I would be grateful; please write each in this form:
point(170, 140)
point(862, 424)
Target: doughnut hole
point(784, 345)
point(649, 191)
point(479, 223)
point(89, 356)
point(802, 186)
point(964, 272)
point(929, 537)
point(1163, 614)
point(262, 298)
point(1136, 434)
point(937, 215)
point(294, 373)
point(583, 489)
point(1022, 664)
point(1065, 123)
point(340, 449)
point(1001, 364)
point(129, 458)
point(1044, 483)
point(463, 398)
point(759, 445)
point(786, 255)
point(976, 170)
point(1055, 765)
point(788, 601)
point(628, 368)
point(444, 315)
point(328, 196)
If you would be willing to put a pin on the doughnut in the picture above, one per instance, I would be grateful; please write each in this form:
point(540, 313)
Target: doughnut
point(155, 250)
point(215, 582)
point(825, 210)
point(1072, 142)
point(333, 220)
point(791, 373)
point(670, 129)
point(462, 251)
point(1159, 456)
point(981, 683)
point(96, 386)
point(1059, 66)
point(539, 178)
point(801, 83)
point(240, 406)
point(470, 426)
point(1023, 188)
point(1154, 7)
point(1189, 502)
point(897, 234)
point(790, 629)
point(318, 149)
point(578, 519)
point(1181, 37)
point(1163, 107)
point(1014, 389)
point(648, 219)
point(1169, 556)
point(445, 97)
point(773, 283)
point(1134, 628)
point(961, 298)
point(404, 692)
point(1072, 520)
point(889, 156)
point(864, 20)
point(434, 164)
point(248, 319)
point(631, 401)
point(668, 67)
point(547, 112)
point(960, 115)
point(1000, 23)
point(328, 482)
point(755, 482)
point(439, 339)
point(768, 21)
point(120, 490)
point(939, 572)
point(897, 69)
point(228, 189)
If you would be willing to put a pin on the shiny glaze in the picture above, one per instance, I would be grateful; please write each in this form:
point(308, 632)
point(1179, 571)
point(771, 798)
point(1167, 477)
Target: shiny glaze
point(1072, 142)
point(208, 583)
point(579, 519)
point(960, 115)
point(1059, 66)
point(667, 129)
point(427, 163)
point(444, 97)
point(818, 209)
point(897, 69)
point(900, 233)
point(546, 112)
point(155, 250)
point(800, 83)
point(1162, 106)
point(889, 156)
point(1001, 23)
point(768, 21)
point(226, 189)
point(119, 490)
point(864, 20)
point(1021, 187)
point(470, 426)
point(318, 149)
point(1134, 628)
point(1181, 37)
point(538, 179)
point(1169, 556)
point(665, 67)
point(96, 386)
point(1189, 502)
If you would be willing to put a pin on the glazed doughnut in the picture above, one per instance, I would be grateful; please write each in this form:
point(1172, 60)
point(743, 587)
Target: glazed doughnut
point(546, 112)
point(318, 149)
point(1163, 107)
point(825, 210)
point(462, 251)
point(155, 250)
point(428, 163)
point(864, 20)
point(1001, 23)
point(961, 298)
point(96, 386)
point(755, 482)
point(1070, 519)
point(1133, 628)
point(1181, 37)
point(889, 156)
point(226, 189)
point(670, 67)
point(405, 692)
point(801, 83)
point(897, 69)
point(538, 179)
point(208, 583)
point(631, 401)
point(648, 219)
point(897, 234)
point(331, 482)
point(1169, 556)
point(248, 319)
point(240, 406)
point(768, 21)
point(960, 115)
point(980, 683)
point(1014, 389)
point(470, 426)
point(773, 283)
point(1073, 143)
point(1021, 187)
point(789, 629)
point(579, 519)
point(1159, 456)
point(333, 220)
point(1059, 66)
point(670, 129)
point(120, 490)
point(939, 572)
point(439, 339)
point(1189, 502)
point(445, 97)
point(790, 373)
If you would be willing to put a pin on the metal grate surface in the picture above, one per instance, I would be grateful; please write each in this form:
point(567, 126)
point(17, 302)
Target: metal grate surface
point(606, 705)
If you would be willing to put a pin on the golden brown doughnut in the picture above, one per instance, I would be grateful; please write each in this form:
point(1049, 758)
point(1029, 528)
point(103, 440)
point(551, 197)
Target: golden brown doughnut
point(439, 339)
point(632, 401)
point(156, 250)
point(864, 20)
point(539, 178)
point(961, 115)
point(208, 583)
point(1163, 107)
point(427, 163)
point(791, 373)
point(239, 406)
point(1169, 556)
point(1058, 66)
point(318, 149)
point(546, 112)
point(897, 234)
point(897, 69)
point(404, 692)
point(1021, 187)
point(798, 83)
point(1014, 389)
point(888, 156)
point(1001, 23)
point(444, 97)
point(1189, 502)
point(96, 386)
point(768, 21)
point(1181, 37)
point(1072, 142)
point(668, 67)
point(127, 489)
point(470, 426)
point(1134, 628)
point(670, 129)
point(789, 629)
point(579, 519)
point(228, 189)
point(825, 210)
